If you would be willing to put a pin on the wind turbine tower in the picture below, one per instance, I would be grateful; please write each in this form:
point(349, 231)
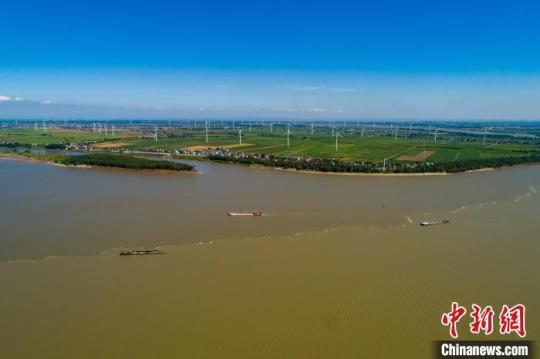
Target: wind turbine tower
point(288, 135)
point(337, 135)
point(240, 136)
point(206, 131)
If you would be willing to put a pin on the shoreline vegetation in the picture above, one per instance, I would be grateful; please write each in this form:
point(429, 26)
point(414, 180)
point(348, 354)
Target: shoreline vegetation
point(392, 168)
point(369, 150)
point(102, 160)
point(317, 166)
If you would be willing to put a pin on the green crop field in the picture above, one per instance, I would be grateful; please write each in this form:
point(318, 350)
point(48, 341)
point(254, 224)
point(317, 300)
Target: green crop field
point(40, 137)
point(351, 145)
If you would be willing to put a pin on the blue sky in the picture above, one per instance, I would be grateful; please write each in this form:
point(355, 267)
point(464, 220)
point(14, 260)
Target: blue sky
point(340, 59)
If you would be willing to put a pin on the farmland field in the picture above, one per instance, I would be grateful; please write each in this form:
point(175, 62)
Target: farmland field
point(351, 145)
point(50, 136)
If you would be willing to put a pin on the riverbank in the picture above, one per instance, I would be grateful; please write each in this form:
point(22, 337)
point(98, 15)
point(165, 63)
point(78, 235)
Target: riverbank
point(37, 158)
point(374, 174)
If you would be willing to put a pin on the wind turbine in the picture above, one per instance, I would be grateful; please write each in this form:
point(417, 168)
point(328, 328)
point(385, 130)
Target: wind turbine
point(206, 131)
point(112, 129)
point(155, 133)
point(312, 128)
point(94, 127)
point(240, 135)
point(288, 135)
point(250, 127)
point(397, 129)
point(337, 135)
point(384, 165)
point(436, 132)
point(44, 126)
point(35, 126)
point(362, 133)
point(485, 133)
point(271, 127)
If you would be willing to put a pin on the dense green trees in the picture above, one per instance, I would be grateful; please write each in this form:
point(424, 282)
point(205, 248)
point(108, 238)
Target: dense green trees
point(329, 165)
point(123, 161)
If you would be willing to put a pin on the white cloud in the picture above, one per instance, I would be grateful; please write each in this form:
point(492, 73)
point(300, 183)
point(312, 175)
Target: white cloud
point(313, 109)
point(5, 98)
point(46, 102)
point(321, 88)
point(342, 89)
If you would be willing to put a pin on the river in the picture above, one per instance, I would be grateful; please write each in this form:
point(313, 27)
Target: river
point(337, 268)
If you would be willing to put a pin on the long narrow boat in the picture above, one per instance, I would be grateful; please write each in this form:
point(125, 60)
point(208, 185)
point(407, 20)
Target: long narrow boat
point(256, 213)
point(432, 223)
point(140, 252)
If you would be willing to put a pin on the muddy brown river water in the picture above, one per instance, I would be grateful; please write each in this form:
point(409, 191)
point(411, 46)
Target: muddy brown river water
point(338, 268)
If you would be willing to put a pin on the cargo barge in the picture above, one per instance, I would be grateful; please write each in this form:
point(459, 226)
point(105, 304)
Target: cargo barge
point(256, 213)
point(433, 223)
point(140, 252)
